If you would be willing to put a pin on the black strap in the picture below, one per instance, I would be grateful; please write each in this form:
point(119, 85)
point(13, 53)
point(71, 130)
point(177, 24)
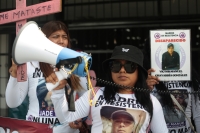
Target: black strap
point(71, 102)
point(69, 61)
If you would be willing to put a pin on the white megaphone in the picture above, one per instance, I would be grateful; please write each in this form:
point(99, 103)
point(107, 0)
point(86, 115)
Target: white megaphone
point(32, 45)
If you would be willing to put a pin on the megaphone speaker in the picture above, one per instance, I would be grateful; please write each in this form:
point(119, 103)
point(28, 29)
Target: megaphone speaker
point(32, 45)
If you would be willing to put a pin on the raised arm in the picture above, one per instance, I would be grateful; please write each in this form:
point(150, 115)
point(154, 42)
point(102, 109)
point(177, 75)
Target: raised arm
point(15, 91)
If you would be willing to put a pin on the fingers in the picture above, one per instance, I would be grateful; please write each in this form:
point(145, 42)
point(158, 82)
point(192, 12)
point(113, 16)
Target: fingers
point(13, 69)
point(61, 85)
point(151, 80)
point(52, 78)
point(150, 70)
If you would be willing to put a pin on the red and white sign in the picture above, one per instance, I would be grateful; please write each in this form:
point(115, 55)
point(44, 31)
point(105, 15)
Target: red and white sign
point(9, 125)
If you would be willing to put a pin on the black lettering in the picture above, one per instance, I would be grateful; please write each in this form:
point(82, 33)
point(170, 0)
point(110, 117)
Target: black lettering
point(56, 121)
point(101, 98)
point(36, 119)
point(48, 7)
point(180, 130)
point(19, 26)
point(97, 104)
point(186, 84)
point(180, 84)
point(121, 99)
point(4, 16)
point(16, 14)
point(117, 103)
point(173, 131)
point(27, 11)
point(32, 11)
point(101, 102)
point(169, 85)
point(130, 100)
point(123, 105)
point(44, 8)
point(187, 129)
point(139, 106)
point(50, 120)
point(38, 10)
point(22, 13)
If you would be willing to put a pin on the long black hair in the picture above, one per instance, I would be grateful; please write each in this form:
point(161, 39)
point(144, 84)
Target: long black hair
point(143, 97)
point(195, 83)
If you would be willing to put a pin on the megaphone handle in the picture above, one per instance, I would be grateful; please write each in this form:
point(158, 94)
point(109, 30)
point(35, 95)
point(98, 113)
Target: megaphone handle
point(60, 75)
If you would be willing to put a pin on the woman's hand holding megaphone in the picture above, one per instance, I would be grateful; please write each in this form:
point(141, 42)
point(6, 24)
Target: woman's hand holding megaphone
point(54, 82)
point(13, 69)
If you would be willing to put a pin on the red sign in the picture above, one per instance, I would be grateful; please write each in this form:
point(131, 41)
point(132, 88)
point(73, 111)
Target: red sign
point(9, 125)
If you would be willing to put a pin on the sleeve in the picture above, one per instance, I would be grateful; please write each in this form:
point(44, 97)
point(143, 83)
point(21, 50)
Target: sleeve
point(84, 84)
point(196, 112)
point(158, 124)
point(15, 92)
point(82, 107)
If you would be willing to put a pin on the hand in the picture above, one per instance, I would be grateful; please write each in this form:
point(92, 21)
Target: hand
point(13, 69)
point(151, 80)
point(52, 78)
point(76, 124)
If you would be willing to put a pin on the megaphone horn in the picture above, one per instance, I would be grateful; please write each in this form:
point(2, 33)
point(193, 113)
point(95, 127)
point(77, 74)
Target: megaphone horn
point(32, 45)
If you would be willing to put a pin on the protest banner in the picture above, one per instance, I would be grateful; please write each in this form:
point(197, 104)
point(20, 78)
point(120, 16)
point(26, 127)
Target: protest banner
point(170, 54)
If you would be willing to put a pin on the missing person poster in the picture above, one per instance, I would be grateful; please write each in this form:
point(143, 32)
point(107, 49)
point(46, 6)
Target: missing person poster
point(170, 54)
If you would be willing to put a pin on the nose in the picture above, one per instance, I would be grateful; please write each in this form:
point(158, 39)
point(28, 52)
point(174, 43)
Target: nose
point(122, 70)
point(122, 124)
point(60, 41)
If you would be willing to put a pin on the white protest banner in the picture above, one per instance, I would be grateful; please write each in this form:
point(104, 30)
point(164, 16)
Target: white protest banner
point(170, 54)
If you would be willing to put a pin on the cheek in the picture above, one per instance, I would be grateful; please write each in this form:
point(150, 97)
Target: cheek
point(65, 43)
point(53, 40)
point(134, 77)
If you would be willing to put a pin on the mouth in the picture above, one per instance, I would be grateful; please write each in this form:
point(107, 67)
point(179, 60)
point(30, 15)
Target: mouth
point(122, 77)
point(121, 131)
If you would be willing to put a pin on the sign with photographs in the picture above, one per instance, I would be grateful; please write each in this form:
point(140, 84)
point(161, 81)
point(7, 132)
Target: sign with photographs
point(170, 54)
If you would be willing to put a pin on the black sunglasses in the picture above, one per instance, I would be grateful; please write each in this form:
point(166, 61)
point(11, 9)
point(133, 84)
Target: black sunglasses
point(130, 67)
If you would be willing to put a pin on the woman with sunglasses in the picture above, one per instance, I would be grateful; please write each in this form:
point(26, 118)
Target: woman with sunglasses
point(125, 70)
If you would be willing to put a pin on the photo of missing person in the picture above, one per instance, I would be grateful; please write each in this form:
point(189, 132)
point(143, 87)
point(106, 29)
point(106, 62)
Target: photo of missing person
point(170, 58)
point(116, 120)
point(44, 97)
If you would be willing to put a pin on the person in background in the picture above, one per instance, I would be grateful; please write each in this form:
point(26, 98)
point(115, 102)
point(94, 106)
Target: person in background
point(175, 118)
point(125, 69)
point(40, 106)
